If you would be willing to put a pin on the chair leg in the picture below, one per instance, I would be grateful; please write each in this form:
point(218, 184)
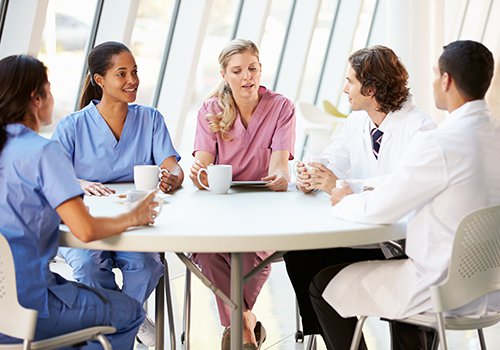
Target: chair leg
point(187, 311)
point(481, 339)
point(101, 338)
point(356, 338)
point(441, 331)
point(170, 311)
point(27, 344)
point(311, 342)
point(299, 334)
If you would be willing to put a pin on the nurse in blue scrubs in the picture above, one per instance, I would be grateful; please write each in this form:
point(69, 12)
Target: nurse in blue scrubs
point(104, 140)
point(38, 188)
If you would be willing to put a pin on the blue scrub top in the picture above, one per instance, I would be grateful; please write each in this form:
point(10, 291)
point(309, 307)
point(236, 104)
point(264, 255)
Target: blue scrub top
point(98, 156)
point(36, 176)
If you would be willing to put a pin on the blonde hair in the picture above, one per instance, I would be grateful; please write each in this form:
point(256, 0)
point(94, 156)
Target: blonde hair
point(223, 122)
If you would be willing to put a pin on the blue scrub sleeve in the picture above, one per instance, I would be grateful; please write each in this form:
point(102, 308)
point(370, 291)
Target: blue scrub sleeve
point(57, 177)
point(162, 143)
point(65, 135)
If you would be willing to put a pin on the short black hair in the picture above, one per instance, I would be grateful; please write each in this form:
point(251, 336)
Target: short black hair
point(470, 64)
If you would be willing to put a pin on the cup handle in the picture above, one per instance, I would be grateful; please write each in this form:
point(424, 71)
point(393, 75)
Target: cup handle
point(162, 170)
point(199, 178)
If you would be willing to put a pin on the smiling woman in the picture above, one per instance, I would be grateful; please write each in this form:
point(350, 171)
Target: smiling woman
point(105, 139)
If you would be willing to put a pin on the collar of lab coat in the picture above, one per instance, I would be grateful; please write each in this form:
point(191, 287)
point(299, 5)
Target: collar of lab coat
point(392, 120)
point(468, 108)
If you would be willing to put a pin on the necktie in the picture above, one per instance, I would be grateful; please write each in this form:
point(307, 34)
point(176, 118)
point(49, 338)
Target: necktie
point(376, 140)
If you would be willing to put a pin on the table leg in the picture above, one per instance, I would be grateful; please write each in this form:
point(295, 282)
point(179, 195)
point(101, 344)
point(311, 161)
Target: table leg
point(159, 311)
point(168, 298)
point(237, 297)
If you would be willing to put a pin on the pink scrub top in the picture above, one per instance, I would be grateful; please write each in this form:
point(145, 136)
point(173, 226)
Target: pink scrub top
point(271, 128)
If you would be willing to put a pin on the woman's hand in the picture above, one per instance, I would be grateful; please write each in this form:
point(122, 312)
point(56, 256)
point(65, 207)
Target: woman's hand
point(95, 189)
point(193, 174)
point(171, 175)
point(169, 181)
point(145, 212)
point(276, 183)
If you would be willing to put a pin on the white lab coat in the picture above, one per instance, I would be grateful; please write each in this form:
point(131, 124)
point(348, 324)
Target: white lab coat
point(447, 173)
point(350, 155)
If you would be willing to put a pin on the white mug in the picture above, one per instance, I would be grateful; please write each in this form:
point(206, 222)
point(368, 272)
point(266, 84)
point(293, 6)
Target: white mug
point(132, 198)
point(316, 159)
point(146, 177)
point(219, 178)
point(356, 186)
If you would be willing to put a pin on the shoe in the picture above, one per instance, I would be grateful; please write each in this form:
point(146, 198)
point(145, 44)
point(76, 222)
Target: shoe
point(226, 339)
point(260, 334)
point(147, 334)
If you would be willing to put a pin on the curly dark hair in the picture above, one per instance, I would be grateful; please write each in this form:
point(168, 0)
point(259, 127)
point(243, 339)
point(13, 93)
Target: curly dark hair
point(379, 68)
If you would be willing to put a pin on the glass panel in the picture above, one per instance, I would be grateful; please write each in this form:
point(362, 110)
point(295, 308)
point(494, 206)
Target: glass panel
point(270, 52)
point(148, 43)
point(219, 30)
point(65, 35)
point(475, 19)
point(317, 50)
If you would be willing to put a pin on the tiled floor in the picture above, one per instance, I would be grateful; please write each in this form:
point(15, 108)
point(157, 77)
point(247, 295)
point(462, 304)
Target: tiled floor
point(276, 309)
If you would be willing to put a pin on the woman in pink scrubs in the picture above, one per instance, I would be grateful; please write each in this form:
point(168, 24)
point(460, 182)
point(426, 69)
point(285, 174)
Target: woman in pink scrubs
point(253, 129)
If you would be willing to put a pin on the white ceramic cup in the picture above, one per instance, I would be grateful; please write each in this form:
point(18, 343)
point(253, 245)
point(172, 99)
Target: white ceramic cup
point(308, 160)
point(356, 186)
point(146, 177)
point(134, 197)
point(219, 178)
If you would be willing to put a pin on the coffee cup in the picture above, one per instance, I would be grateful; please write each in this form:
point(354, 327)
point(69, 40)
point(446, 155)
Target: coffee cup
point(219, 178)
point(146, 177)
point(134, 197)
point(356, 186)
point(321, 160)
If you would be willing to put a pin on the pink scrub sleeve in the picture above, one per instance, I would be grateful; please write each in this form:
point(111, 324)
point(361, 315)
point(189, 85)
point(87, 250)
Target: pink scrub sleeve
point(284, 135)
point(205, 140)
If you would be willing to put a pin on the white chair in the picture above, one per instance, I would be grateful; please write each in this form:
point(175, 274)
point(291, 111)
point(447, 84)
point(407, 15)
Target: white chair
point(474, 272)
point(319, 128)
point(20, 322)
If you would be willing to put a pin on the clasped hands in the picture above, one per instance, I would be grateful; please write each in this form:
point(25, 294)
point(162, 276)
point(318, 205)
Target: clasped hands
point(316, 176)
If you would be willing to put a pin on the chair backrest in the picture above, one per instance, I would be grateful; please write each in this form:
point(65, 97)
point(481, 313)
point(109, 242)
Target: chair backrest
point(15, 320)
point(475, 263)
point(331, 109)
point(317, 116)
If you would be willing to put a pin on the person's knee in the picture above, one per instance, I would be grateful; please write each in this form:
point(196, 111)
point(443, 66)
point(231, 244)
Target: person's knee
point(316, 288)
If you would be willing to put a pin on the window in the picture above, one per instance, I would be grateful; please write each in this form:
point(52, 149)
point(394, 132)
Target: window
point(274, 33)
point(317, 50)
point(64, 41)
point(148, 43)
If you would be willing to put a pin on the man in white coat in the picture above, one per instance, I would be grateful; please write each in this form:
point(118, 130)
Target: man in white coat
point(383, 123)
point(446, 174)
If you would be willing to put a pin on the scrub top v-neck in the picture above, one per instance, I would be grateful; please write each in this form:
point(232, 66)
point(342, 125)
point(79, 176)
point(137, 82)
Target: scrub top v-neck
point(270, 128)
point(96, 153)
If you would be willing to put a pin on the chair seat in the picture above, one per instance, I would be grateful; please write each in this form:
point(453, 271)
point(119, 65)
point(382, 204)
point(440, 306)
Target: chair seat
point(65, 340)
point(453, 323)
